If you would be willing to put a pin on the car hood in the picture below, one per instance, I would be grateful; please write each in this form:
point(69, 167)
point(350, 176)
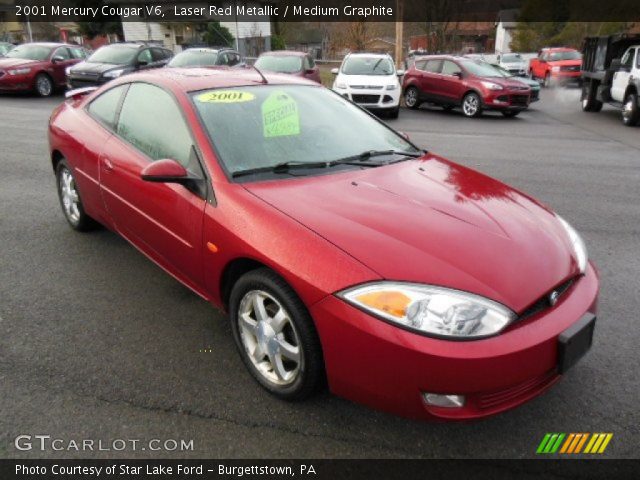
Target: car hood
point(507, 82)
point(368, 80)
point(16, 62)
point(434, 222)
point(529, 82)
point(521, 65)
point(93, 67)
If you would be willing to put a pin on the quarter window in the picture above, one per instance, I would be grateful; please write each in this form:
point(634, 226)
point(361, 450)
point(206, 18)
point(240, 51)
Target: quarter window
point(105, 107)
point(78, 52)
point(152, 122)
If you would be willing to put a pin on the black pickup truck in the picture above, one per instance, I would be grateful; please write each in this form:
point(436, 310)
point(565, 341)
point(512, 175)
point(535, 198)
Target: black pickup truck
point(611, 74)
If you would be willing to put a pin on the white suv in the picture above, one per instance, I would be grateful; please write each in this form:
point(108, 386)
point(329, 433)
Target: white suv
point(371, 81)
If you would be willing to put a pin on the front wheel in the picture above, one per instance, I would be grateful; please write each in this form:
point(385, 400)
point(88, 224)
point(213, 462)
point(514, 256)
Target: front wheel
point(472, 105)
point(411, 97)
point(44, 85)
point(630, 111)
point(547, 82)
point(275, 335)
point(70, 199)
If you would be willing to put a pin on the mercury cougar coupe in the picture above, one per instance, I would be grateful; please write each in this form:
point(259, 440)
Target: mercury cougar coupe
point(343, 254)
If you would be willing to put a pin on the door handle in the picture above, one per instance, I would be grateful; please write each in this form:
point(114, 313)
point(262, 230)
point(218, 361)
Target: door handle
point(107, 164)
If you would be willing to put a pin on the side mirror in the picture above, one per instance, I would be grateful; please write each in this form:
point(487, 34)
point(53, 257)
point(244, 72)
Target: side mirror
point(400, 73)
point(335, 71)
point(143, 63)
point(457, 74)
point(57, 59)
point(309, 71)
point(165, 171)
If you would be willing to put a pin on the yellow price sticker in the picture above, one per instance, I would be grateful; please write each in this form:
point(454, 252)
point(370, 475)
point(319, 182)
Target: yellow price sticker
point(226, 96)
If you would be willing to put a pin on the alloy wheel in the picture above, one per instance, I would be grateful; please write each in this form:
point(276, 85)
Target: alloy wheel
point(44, 86)
point(69, 196)
point(270, 338)
point(411, 97)
point(470, 105)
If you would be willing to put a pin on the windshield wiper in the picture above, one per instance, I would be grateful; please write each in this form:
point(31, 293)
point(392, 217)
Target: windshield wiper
point(357, 160)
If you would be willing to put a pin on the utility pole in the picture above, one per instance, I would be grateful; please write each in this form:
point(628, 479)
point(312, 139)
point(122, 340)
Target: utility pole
point(399, 31)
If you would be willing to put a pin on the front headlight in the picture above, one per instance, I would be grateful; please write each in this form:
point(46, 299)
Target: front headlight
point(555, 69)
point(67, 71)
point(579, 247)
point(113, 73)
point(341, 85)
point(19, 71)
point(393, 86)
point(431, 310)
point(491, 85)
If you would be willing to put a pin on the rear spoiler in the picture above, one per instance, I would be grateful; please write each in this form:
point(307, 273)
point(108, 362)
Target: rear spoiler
point(79, 92)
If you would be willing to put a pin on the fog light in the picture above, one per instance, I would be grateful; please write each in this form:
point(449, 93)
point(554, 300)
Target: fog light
point(447, 401)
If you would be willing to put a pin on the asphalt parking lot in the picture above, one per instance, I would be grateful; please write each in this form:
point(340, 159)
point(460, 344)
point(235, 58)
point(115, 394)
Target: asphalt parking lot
point(97, 342)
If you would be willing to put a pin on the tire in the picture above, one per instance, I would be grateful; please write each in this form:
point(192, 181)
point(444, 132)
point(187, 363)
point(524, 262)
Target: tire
point(43, 85)
point(262, 344)
point(630, 110)
point(588, 99)
point(71, 200)
point(546, 83)
point(472, 105)
point(412, 98)
point(394, 112)
point(511, 113)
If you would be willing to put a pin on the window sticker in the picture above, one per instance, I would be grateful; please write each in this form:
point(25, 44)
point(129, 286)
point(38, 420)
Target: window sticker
point(280, 116)
point(226, 96)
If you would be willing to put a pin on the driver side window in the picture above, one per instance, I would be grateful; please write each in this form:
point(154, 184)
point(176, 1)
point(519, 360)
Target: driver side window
point(145, 57)
point(627, 59)
point(63, 53)
point(152, 122)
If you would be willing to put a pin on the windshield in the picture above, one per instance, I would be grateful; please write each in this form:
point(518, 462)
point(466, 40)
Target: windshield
point(567, 55)
point(194, 59)
point(4, 49)
point(503, 71)
point(30, 52)
point(117, 55)
point(367, 66)
point(261, 126)
point(279, 63)
point(511, 58)
point(480, 69)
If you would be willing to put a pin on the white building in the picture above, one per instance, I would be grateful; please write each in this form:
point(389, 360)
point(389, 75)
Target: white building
point(252, 35)
point(505, 25)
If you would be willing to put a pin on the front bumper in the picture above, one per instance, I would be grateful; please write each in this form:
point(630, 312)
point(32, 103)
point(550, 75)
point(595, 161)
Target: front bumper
point(381, 99)
point(377, 364)
point(507, 100)
point(562, 77)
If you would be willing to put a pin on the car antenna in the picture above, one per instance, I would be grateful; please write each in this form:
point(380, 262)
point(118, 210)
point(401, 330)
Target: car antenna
point(264, 79)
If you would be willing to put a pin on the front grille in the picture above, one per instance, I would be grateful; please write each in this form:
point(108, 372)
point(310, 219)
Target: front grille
point(570, 68)
point(520, 100)
point(367, 87)
point(365, 98)
point(524, 389)
point(80, 83)
point(544, 302)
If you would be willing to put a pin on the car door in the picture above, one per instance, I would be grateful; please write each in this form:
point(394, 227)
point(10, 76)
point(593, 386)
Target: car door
point(164, 220)
point(430, 79)
point(60, 60)
point(451, 85)
point(622, 76)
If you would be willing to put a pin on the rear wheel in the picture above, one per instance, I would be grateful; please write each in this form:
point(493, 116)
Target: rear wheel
point(44, 85)
point(589, 101)
point(70, 199)
point(630, 111)
point(472, 105)
point(412, 97)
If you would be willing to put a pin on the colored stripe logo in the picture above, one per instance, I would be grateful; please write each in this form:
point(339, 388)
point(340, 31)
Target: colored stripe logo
point(574, 443)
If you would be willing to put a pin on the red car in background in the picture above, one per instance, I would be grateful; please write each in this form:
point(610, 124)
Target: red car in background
point(38, 67)
point(408, 282)
point(299, 64)
point(473, 85)
point(556, 66)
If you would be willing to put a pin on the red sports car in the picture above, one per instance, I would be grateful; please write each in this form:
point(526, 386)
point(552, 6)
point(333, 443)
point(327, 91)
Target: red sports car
point(38, 67)
point(340, 250)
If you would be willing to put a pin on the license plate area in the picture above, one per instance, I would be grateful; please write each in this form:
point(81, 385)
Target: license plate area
point(575, 341)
